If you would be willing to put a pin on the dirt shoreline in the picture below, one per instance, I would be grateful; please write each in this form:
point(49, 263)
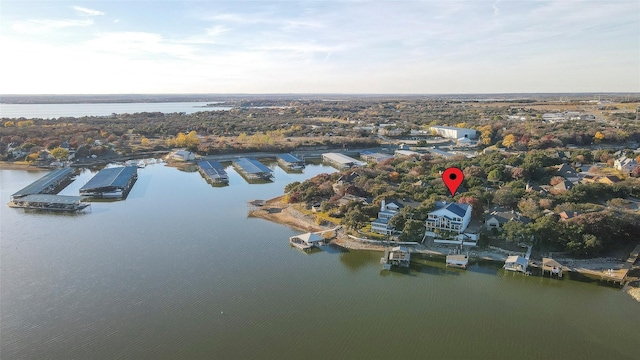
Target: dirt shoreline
point(5, 165)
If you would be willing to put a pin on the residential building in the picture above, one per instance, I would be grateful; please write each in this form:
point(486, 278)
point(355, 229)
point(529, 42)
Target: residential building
point(387, 211)
point(498, 216)
point(625, 164)
point(452, 217)
point(184, 155)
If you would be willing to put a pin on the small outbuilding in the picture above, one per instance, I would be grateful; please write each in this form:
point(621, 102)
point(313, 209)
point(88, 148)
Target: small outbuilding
point(516, 263)
point(306, 241)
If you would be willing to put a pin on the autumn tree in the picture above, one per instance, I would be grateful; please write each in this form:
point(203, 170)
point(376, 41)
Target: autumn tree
point(60, 153)
point(598, 137)
point(509, 140)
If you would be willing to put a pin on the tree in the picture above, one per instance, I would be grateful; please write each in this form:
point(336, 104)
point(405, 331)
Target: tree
point(598, 137)
point(494, 175)
point(516, 231)
point(60, 153)
point(529, 208)
point(144, 141)
point(509, 140)
point(413, 231)
point(355, 218)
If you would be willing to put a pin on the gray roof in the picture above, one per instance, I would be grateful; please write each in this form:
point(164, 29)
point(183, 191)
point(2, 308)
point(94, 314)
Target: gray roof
point(289, 158)
point(52, 199)
point(44, 182)
point(251, 166)
point(111, 177)
point(458, 209)
point(213, 168)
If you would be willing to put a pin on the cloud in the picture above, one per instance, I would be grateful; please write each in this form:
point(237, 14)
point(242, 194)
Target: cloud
point(47, 25)
point(87, 12)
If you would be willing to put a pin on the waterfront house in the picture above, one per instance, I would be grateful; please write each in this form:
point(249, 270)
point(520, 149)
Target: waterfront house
point(183, 155)
point(452, 217)
point(498, 216)
point(516, 263)
point(388, 209)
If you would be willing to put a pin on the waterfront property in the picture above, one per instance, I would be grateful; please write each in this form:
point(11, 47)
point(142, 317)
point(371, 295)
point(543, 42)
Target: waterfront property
point(183, 155)
point(341, 161)
point(253, 169)
point(457, 260)
point(447, 224)
point(290, 162)
point(306, 241)
point(111, 183)
point(48, 184)
point(49, 202)
point(213, 171)
point(516, 263)
point(387, 210)
point(397, 256)
point(552, 266)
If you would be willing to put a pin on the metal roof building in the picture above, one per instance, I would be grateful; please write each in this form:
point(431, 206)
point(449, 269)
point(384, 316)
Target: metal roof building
point(290, 161)
point(116, 180)
point(46, 183)
point(341, 161)
point(214, 171)
point(253, 168)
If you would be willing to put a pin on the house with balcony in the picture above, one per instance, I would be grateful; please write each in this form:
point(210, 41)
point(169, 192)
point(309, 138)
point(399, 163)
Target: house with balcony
point(448, 224)
point(388, 209)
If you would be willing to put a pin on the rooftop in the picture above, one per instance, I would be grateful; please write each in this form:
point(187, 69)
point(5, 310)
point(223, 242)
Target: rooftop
point(44, 182)
point(111, 177)
point(252, 166)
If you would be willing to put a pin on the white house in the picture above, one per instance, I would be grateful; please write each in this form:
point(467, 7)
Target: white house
point(184, 155)
point(387, 211)
point(451, 217)
point(453, 132)
point(625, 164)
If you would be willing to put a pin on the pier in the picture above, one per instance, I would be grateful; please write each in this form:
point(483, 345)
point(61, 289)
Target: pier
point(111, 183)
point(290, 162)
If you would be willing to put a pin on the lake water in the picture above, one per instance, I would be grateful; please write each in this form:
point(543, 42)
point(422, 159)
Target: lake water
point(48, 111)
point(178, 270)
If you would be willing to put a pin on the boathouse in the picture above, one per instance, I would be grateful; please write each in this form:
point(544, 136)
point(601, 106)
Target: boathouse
point(289, 161)
point(253, 169)
point(49, 202)
point(341, 161)
point(398, 256)
point(111, 183)
point(457, 260)
point(516, 263)
point(48, 184)
point(213, 171)
point(552, 266)
point(306, 241)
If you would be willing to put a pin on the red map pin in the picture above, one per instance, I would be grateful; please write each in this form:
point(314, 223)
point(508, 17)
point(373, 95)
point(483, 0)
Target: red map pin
point(452, 177)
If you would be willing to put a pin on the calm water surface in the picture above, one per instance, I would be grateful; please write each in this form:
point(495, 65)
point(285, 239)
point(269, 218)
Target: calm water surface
point(48, 111)
point(179, 271)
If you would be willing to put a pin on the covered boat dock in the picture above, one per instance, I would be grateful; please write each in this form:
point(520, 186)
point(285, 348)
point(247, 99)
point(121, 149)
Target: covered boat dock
point(48, 184)
point(49, 202)
point(289, 161)
point(253, 169)
point(111, 183)
point(306, 241)
point(213, 171)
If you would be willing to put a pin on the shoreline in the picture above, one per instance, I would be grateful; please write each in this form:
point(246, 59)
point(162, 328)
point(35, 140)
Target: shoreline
point(276, 211)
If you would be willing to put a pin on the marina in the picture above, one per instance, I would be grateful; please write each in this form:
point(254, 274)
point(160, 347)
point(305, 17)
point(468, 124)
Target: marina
point(290, 162)
point(49, 202)
point(253, 169)
point(213, 172)
point(111, 183)
point(50, 183)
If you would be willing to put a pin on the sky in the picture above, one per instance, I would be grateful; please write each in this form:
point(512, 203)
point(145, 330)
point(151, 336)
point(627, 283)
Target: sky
point(372, 47)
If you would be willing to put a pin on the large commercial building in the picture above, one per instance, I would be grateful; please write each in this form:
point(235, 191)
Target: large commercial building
point(451, 132)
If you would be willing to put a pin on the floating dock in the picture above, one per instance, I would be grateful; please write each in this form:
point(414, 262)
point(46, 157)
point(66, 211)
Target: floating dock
point(49, 202)
point(111, 183)
point(213, 172)
point(51, 183)
point(253, 169)
point(341, 161)
point(290, 162)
